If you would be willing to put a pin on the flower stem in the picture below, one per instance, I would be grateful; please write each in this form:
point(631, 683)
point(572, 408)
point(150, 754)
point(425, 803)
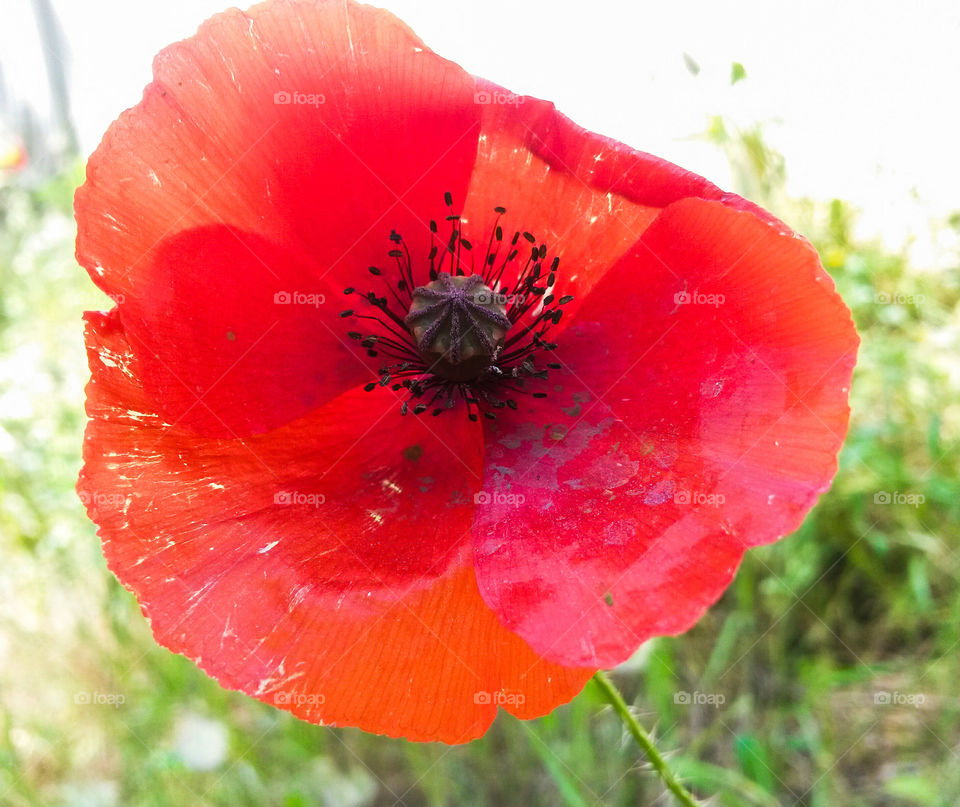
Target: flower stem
point(612, 694)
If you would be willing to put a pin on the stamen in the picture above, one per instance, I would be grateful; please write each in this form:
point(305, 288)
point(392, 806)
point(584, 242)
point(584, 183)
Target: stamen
point(463, 334)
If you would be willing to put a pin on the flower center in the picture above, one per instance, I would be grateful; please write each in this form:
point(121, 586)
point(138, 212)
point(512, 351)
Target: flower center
point(459, 325)
point(466, 334)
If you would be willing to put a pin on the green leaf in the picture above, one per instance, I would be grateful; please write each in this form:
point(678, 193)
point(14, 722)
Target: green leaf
point(558, 771)
point(755, 762)
point(708, 777)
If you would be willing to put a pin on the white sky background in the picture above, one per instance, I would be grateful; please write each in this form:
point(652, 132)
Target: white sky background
point(861, 98)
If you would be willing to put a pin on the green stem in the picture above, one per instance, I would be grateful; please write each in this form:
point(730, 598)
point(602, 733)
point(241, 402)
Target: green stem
point(612, 694)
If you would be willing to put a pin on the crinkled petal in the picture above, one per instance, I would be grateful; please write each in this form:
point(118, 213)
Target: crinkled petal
point(588, 197)
point(700, 410)
point(324, 567)
point(318, 127)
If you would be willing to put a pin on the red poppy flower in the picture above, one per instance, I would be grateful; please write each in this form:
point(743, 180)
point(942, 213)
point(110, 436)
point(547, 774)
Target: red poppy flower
point(418, 398)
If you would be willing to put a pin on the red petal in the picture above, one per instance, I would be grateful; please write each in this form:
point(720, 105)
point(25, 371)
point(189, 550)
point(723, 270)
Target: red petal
point(208, 146)
point(589, 198)
point(323, 567)
point(677, 436)
point(241, 337)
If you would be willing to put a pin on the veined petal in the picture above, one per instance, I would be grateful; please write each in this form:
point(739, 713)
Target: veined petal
point(318, 127)
point(588, 197)
point(699, 411)
point(324, 567)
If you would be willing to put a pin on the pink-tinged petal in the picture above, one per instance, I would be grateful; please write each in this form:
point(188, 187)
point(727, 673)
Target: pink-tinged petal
point(324, 567)
point(700, 410)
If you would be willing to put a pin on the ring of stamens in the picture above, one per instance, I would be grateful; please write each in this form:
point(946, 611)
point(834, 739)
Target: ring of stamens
point(463, 335)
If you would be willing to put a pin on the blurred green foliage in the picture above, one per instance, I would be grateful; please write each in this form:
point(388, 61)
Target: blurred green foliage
point(787, 674)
